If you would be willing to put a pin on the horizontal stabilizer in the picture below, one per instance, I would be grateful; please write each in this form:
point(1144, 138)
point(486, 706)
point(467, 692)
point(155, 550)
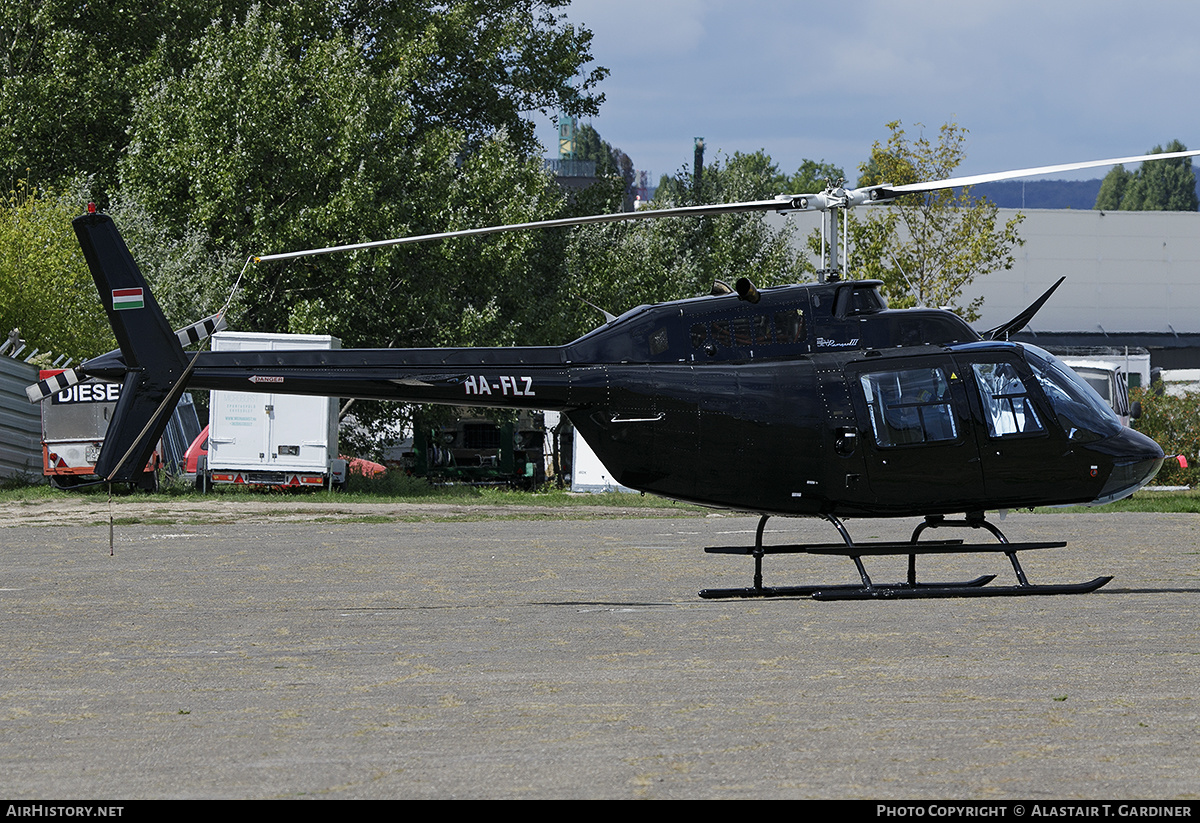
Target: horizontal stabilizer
point(62, 381)
point(201, 330)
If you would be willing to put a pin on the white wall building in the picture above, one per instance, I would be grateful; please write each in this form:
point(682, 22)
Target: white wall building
point(1133, 279)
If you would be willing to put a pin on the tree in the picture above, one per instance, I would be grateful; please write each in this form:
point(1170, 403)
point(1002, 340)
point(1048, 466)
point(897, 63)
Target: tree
point(46, 290)
point(927, 247)
point(813, 176)
point(68, 71)
point(190, 278)
point(318, 138)
point(1161, 185)
point(619, 266)
point(1172, 421)
point(224, 128)
point(1112, 189)
point(610, 161)
point(473, 67)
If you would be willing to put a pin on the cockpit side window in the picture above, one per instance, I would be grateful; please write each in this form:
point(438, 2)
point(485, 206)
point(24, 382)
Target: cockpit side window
point(910, 406)
point(1005, 400)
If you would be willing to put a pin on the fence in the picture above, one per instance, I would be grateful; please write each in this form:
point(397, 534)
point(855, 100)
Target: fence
point(20, 422)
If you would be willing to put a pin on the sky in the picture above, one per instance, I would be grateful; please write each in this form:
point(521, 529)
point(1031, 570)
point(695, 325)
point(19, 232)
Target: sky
point(1034, 83)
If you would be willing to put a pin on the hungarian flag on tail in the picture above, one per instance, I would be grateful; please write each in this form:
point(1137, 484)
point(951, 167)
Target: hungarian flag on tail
point(127, 299)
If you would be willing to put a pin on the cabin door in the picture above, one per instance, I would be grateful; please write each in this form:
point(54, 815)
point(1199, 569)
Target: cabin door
point(914, 421)
point(1026, 457)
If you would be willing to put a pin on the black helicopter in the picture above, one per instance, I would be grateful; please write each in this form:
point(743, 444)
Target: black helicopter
point(802, 400)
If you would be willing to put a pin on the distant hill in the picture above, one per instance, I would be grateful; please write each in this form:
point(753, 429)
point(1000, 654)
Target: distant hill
point(1040, 194)
point(1043, 194)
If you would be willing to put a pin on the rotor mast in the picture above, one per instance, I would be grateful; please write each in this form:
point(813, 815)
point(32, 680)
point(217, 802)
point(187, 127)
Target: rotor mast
point(833, 201)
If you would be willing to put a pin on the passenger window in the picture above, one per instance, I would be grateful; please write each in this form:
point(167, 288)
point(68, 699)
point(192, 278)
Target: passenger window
point(1005, 400)
point(762, 329)
point(909, 407)
point(658, 342)
point(699, 334)
point(720, 330)
point(789, 326)
point(741, 332)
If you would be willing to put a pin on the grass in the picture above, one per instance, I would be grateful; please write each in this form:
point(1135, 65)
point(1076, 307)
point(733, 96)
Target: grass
point(398, 488)
point(394, 488)
point(1185, 502)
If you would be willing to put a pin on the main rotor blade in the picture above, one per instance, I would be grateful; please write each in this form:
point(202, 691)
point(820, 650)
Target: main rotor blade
point(974, 179)
point(788, 203)
point(830, 199)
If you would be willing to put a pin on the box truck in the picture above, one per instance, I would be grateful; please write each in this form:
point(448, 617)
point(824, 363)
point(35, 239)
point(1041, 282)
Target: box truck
point(272, 439)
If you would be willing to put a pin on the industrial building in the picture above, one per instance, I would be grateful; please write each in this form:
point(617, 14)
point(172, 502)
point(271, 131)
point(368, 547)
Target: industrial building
point(1133, 279)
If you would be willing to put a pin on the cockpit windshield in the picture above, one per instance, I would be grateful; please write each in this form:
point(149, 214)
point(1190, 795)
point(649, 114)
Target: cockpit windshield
point(1082, 413)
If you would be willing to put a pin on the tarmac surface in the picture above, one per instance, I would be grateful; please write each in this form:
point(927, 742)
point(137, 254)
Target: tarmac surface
point(484, 654)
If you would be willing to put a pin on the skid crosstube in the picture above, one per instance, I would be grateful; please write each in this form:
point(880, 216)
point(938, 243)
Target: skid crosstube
point(911, 588)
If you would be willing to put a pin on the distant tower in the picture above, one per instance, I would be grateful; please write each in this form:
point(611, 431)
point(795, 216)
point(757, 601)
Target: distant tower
point(643, 186)
point(698, 169)
point(566, 136)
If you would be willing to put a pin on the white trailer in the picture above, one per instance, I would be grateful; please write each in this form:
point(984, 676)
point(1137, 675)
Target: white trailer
point(273, 439)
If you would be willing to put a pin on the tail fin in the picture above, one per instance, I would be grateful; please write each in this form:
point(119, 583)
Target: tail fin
point(154, 363)
point(1021, 320)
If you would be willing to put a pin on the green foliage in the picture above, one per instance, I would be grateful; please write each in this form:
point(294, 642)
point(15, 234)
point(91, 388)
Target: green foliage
point(1161, 185)
point(190, 280)
point(813, 177)
point(247, 128)
point(610, 162)
point(235, 127)
point(478, 67)
point(1174, 423)
point(46, 289)
point(283, 134)
point(68, 71)
point(623, 265)
point(926, 248)
point(473, 67)
point(1112, 189)
point(263, 140)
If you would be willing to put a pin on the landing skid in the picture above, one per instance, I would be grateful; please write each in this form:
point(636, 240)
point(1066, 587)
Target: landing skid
point(910, 588)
